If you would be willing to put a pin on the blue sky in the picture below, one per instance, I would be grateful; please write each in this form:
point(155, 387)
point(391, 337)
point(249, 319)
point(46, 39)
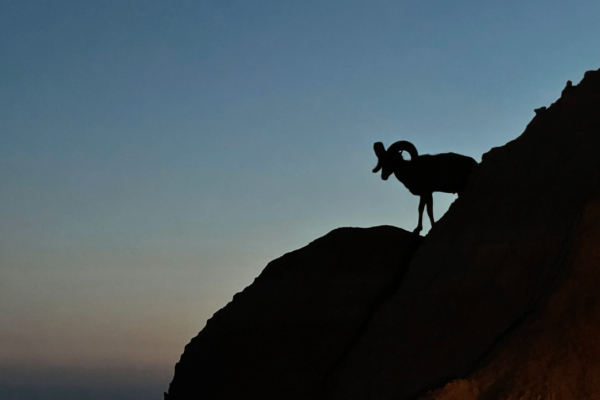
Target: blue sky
point(154, 156)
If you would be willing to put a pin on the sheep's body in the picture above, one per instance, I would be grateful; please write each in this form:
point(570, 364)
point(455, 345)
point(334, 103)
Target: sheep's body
point(448, 173)
point(423, 175)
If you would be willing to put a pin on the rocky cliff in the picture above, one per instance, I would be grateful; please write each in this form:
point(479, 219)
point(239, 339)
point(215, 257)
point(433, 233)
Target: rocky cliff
point(498, 301)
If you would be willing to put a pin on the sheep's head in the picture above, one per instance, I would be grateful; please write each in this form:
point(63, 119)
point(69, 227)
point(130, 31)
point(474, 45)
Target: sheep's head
point(383, 161)
point(392, 158)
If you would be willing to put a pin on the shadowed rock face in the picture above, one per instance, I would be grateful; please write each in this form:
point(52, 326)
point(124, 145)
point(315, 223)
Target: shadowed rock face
point(283, 335)
point(503, 293)
point(555, 354)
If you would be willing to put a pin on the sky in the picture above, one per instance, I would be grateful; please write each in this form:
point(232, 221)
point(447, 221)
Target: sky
point(155, 156)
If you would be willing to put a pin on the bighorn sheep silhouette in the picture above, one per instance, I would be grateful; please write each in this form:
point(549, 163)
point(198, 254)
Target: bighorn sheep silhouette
point(425, 174)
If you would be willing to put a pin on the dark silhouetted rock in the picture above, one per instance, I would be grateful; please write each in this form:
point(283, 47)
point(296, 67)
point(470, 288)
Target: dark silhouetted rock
point(491, 263)
point(500, 301)
point(282, 335)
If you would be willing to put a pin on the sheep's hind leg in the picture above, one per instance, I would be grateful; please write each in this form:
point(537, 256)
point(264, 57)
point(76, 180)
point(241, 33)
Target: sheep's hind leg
point(430, 208)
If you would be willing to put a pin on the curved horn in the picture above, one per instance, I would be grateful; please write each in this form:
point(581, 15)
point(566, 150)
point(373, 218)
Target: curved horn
point(380, 153)
point(404, 145)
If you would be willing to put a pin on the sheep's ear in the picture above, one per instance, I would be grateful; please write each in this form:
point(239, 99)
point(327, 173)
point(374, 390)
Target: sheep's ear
point(379, 150)
point(381, 154)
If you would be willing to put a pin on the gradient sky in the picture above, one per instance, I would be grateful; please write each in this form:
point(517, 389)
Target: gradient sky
point(155, 156)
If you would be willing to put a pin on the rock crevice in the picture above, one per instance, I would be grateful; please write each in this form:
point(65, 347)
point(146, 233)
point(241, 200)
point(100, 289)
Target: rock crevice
point(411, 246)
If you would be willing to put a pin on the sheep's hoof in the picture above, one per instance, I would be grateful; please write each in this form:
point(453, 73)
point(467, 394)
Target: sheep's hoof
point(418, 229)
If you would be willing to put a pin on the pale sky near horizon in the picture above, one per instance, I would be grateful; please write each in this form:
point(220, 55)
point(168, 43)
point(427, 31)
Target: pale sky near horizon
point(155, 156)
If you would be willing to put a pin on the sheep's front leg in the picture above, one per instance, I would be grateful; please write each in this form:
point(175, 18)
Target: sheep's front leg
point(422, 203)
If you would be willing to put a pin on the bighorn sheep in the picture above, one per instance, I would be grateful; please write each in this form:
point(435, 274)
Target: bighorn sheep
point(423, 175)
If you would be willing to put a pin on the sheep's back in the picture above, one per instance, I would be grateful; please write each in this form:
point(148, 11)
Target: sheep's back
point(447, 172)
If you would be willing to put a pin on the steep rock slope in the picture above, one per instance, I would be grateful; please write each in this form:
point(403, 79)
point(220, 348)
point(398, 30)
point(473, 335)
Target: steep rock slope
point(282, 336)
point(492, 263)
point(556, 354)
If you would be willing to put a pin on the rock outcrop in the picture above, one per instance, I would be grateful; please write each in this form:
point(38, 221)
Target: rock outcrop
point(282, 336)
point(500, 301)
